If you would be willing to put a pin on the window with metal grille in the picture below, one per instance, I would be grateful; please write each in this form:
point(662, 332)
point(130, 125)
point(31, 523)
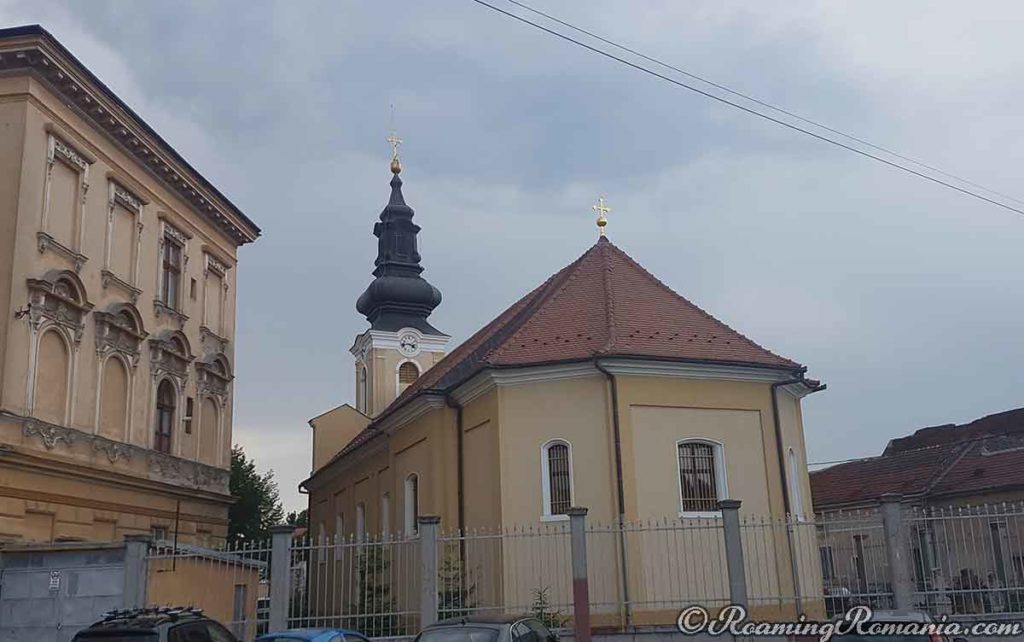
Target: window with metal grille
point(559, 479)
point(407, 373)
point(698, 476)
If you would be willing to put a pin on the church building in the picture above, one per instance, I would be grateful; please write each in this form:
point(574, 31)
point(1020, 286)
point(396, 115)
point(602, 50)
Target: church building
point(600, 388)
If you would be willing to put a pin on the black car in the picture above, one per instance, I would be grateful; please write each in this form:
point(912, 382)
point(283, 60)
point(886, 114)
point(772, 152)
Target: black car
point(488, 628)
point(155, 625)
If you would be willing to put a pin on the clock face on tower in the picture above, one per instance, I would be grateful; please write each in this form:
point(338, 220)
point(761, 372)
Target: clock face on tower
point(408, 344)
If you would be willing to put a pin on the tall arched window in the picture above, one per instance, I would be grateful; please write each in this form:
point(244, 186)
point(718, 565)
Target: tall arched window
point(114, 399)
point(407, 373)
point(164, 428)
point(52, 376)
point(796, 498)
point(556, 478)
point(412, 504)
point(701, 476)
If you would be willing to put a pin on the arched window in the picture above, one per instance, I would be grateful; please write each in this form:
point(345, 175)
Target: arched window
point(52, 375)
point(164, 417)
point(412, 504)
point(556, 478)
point(209, 428)
point(114, 399)
point(701, 476)
point(796, 499)
point(407, 373)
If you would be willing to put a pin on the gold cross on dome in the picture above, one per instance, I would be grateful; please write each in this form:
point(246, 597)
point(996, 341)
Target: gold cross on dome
point(601, 208)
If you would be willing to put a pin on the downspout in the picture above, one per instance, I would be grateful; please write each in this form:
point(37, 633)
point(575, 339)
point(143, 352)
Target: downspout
point(620, 488)
point(787, 508)
point(460, 484)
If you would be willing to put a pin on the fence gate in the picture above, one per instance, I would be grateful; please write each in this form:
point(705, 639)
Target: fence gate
point(47, 596)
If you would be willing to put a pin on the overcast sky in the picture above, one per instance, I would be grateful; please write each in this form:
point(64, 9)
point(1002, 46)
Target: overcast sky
point(904, 297)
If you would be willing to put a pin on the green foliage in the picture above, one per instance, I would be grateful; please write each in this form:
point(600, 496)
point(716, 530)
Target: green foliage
point(257, 504)
point(298, 519)
point(541, 609)
point(375, 607)
point(455, 596)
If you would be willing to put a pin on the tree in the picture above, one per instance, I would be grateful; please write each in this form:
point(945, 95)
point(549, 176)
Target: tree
point(298, 519)
point(257, 504)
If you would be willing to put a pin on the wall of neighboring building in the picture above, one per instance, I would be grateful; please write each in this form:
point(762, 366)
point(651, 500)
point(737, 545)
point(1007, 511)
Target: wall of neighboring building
point(92, 425)
point(12, 124)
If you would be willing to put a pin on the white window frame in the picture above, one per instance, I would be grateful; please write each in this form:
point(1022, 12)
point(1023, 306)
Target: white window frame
point(545, 480)
point(796, 495)
point(411, 508)
point(721, 483)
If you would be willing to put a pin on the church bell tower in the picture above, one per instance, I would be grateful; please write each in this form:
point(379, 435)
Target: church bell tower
point(400, 343)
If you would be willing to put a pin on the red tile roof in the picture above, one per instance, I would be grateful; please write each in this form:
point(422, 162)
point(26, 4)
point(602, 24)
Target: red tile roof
point(603, 304)
point(984, 455)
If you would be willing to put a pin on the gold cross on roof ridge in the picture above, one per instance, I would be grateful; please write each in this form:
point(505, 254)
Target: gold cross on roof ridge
point(602, 209)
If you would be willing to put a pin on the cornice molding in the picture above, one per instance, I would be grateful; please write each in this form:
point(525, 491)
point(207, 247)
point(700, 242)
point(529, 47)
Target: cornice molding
point(42, 57)
point(411, 411)
point(687, 370)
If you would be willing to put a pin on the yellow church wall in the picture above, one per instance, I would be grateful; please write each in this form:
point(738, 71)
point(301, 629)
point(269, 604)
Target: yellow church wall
point(482, 462)
point(333, 430)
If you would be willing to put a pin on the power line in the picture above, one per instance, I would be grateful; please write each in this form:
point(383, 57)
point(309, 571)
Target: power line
point(761, 102)
point(754, 112)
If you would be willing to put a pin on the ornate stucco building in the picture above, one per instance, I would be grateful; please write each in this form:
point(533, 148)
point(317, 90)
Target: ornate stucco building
point(117, 275)
point(600, 388)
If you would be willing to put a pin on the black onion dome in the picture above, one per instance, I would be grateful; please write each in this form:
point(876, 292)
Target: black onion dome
point(398, 297)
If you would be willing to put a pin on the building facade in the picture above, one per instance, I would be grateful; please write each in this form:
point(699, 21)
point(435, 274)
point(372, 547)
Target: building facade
point(117, 278)
point(601, 388)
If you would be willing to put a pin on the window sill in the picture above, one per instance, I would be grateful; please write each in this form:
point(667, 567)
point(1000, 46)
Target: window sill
point(554, 518)
point(710, 514)
point(161, 308)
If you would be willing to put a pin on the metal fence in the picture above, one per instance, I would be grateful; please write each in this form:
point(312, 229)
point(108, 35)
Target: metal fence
point(961, 561)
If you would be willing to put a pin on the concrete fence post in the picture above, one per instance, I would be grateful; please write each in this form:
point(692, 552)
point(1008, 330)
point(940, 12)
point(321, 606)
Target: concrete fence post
point(428, 531)
point(734, 550)
point(280, 575)
point(136, 570)
point(896, 554)
point(580, 584)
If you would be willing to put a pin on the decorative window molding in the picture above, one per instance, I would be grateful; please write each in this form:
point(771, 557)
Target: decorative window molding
point(119, 329)
point(385, 515)
point(412, 504)
point(59, 297)
point(557, 486)
point(701, 477)
point(171, 273)
point(214, 378)
point(60, 151)
point(214, 267)
point(170, 355)
point(118, 195)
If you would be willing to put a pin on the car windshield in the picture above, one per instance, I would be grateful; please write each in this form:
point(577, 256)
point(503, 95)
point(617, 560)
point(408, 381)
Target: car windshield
point(460, 633)
point(116, 636)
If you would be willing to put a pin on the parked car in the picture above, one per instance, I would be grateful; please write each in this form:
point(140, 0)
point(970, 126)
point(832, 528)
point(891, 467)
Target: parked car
point(164, 624)
point(488, 628)
point(313, 635)
point(897, 617)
